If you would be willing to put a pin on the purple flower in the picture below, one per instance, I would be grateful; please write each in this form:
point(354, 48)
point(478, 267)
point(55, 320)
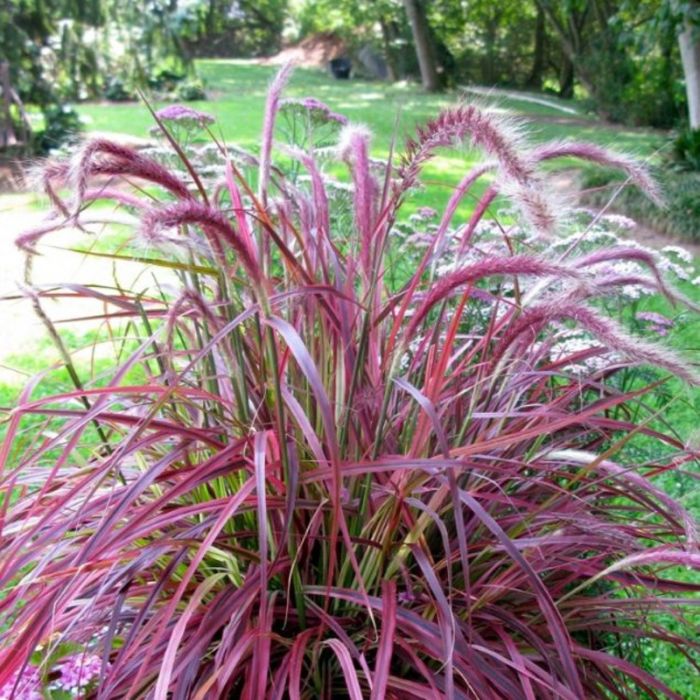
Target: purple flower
point(184, 115)
point(657, 323)
point(406, 597)
point(78, 671)
point(26, 689)
point(308, 103)
point(317, 109)
point(427, 213)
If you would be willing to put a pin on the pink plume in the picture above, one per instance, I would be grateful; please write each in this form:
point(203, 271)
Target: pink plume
point(212, 222)
point(271, 106)
point(597, 154)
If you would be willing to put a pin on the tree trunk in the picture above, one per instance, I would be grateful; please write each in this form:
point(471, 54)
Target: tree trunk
point(537, 72)
point(391, 63)
point(210, 20)
point(7, 133)
point(424, 50)
point(489, 60)
point(689, 40)
point(570, 42)
point(566, 78)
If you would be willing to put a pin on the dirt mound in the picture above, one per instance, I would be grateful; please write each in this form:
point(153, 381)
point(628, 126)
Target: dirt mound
point(312, 52)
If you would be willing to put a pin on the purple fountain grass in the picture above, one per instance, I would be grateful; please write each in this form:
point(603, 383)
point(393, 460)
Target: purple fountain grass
point(606, 330)
point(635, 171)
point(353, 147)
point(105, 158)
point(501, 139)
point(457, 196)
point(486, 267)
point(314, 482)
point(271, 107)
point(215, 224)
point(637, 255)
point(317, 228)
point(498, 137)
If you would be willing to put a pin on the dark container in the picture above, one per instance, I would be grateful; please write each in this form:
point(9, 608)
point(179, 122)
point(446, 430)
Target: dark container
point(340, 68)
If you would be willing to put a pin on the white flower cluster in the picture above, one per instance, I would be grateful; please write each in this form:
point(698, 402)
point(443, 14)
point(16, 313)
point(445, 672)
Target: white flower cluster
point(619, 221)
point(603, 232)
point(682, 254)
point(568, 342)
point(205, 159)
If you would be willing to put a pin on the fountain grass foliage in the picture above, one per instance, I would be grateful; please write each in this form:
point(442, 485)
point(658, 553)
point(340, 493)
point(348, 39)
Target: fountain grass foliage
point(311, 476)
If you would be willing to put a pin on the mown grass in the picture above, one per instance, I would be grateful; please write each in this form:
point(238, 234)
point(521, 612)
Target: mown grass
point(237, 98)
point(237, 92)
point(392, 111)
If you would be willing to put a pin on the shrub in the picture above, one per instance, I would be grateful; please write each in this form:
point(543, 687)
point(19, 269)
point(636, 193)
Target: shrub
point(62, 127)
point(686, 149)
point(680, 217)
point(329, 485)
point(165, 80)
point(177, 86)
point(190, 90)
point(115, 90)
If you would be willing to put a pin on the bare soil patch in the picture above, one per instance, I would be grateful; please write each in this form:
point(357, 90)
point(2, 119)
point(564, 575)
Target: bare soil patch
point(567, 185)
point(22, 331)
point(312, 52)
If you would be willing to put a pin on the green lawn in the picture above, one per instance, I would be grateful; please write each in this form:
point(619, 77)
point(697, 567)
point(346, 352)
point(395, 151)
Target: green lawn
point(238, 89)
point(237, 97)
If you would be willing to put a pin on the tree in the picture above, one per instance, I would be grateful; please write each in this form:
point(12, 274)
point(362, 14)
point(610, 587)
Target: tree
point(424, 48)
point(569, 20)
point(25, 29)
point(236, 27)
point(11, 123)
point(490, 43)
point(689, 42)
point(624, 53)
point(536, 76)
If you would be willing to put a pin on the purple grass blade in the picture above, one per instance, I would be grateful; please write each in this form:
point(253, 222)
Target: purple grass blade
point(386, 641)
point(351, 679)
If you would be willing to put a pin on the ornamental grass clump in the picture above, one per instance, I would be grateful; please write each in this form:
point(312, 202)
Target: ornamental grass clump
point(309, 481)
